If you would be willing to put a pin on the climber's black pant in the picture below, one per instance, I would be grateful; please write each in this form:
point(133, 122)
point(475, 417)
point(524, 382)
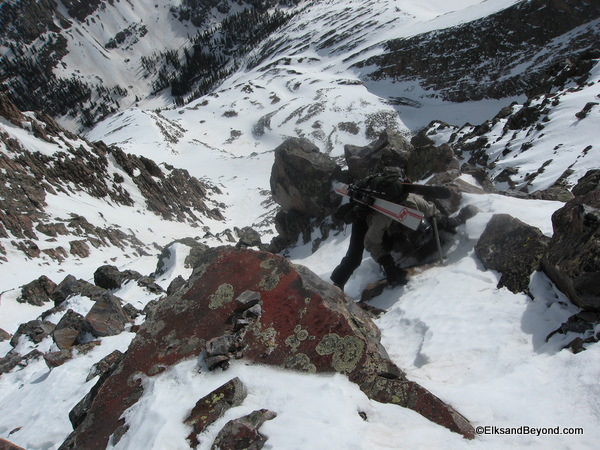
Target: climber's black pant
point(354, 255)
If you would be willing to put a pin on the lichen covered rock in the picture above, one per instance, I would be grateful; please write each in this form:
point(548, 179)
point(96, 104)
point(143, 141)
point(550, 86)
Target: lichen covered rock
point(294, 320)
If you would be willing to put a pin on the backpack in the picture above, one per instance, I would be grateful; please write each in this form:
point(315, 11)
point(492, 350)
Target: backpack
point(388, 186)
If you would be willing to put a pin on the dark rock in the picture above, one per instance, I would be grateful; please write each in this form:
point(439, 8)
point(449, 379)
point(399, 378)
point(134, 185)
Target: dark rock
point(79, 248)
point(151, 306)
point(55, 359)
point(9, 361)
point(249, 237)
point(290, 225)
point(37, 292)
point(131, 312)
point(80, 411)
point(586, 110)
point(512, 248)
point(589, 182)
point(572, 261)
point(211, 407)
point(480, 175)
point(14, 359)
point(473, 53)
point(109, 362)
point(175, 285)
point(305, 325)
point(428, 160)
point(222, 345)
point(390, 150)
point(83, 166)
point(523, 118)
point(554, 193)
point(36, 330)
point(106, 318)
point(243, 433)
point(10, 112)
point(67, 330)
point(301, 178)
point(149, 284)
point(505, 176)
point(247, 300)
point(110, 277)
point(4, 335)
point(197, 249)
point(583, 322)
point(72, 286)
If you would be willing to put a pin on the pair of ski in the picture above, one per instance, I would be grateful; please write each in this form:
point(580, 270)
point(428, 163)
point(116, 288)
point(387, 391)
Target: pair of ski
point(408, 217)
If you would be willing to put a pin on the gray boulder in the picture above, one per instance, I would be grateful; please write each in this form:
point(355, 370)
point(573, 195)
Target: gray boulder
point(391, 149)
point(106, 318)
point(243, 433)
point(37, 292)
point(513, 248)
point(110, 277)
point(301, 179)
point(572, 261)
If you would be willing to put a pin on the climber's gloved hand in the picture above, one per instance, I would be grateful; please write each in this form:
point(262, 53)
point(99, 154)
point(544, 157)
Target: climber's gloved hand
point(396, 276)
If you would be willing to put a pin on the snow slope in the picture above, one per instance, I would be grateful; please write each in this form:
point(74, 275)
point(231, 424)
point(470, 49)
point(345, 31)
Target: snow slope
point(481, 349)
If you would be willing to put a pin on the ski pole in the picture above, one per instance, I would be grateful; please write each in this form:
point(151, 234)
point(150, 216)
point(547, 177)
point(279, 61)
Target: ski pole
point(437, 239)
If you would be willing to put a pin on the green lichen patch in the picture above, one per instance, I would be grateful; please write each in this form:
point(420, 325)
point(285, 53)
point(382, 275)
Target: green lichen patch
point(268, 336)
point(346, 351)
point(300, 361)
point(296, 339)
point(224, 294)
point(269, 282)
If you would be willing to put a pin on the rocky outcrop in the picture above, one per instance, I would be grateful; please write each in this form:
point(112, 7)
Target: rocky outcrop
point(73, 333)
point(35, 330)
point(243, 432)
point(212, 406)
point(27, 177)
point(301, 183)
point(301, 178)
point(573, 257)
point(570, 258)
point(390, 150)
point(37, 292)
point(288, 317)
point(513, 248)
point(110, 277)
point(106, 318)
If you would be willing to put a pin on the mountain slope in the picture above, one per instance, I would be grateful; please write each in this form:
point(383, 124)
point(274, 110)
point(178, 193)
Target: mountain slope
point(64, 199)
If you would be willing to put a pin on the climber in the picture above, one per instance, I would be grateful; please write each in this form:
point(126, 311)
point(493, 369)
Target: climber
point(380, 234)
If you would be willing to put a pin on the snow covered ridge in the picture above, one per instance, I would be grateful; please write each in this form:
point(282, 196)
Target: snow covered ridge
point(498, 56)
point(544, 144)
point(84, 60)
point(104, 57)
point(63, 197)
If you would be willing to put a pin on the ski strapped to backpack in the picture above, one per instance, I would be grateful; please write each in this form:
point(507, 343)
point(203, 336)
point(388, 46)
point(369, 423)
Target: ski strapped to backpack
point(408, 217)
point(394, 188)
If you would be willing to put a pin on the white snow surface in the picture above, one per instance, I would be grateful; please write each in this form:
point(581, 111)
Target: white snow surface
point(481, 349)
